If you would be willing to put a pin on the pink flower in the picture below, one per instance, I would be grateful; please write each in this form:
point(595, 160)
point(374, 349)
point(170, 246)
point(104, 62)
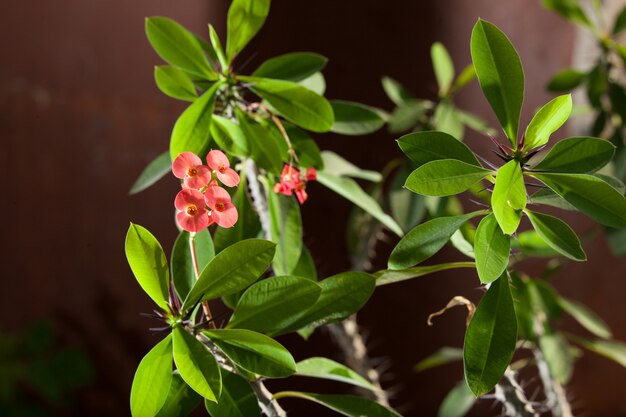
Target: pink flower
point(192, 214)
point(291, 181)
point(218, 162)
point(223, 211)
point(188, 166)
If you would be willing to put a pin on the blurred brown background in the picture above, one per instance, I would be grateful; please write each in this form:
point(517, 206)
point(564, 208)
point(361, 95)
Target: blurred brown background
point(80, 117)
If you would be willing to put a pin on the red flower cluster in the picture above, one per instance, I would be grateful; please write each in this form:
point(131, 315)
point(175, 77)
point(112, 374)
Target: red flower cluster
point(291, 181)
point(202, 201)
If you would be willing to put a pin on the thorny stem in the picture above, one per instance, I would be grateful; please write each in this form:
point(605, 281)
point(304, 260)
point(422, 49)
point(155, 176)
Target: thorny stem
point(512, 397)
point(259, 198)
point(556, 397)
point(196, 269)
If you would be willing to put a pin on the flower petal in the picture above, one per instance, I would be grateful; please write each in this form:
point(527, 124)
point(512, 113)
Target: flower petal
point(183, 162)
point(187, 197)
point(226, 218)
point(201, 179)
point(311, 174)
point(302, 195)
point(229, 177)
point(217, 160)
point(215, 194)
point(194, 223)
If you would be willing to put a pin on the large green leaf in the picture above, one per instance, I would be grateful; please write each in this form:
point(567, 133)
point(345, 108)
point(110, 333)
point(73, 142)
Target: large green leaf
point(229, 136)
point(245, 19)
point(285, 231)
point(191, 132)
point(558, 235)
point(273, 304)
point(587, 318)
point(589, 194)
point(390, 276)
point(458, 401)
point(355, 119)
point(148, 263)
point(183, 273)
point(547, 120)
point(348, 405)
point(254, 352)
point(178, 46)
point(237, 399)
point(232, 270)
point(500, 75)
point(443, 66)
point(425, 240)
point(577, 155)
point(297, 104)
point(196, 365)
point(174, 82)
point(294, 66)
point(328, 369)
point(155, 170)
point(444, 177)
point(509, 196)
point(424, 147)
point(181, 399)
point(491, 249)
point(152, 380)
point(490, 338)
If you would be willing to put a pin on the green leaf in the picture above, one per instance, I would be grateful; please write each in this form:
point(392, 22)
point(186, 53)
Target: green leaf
point(566, 80)
point(315, 83)
point(350, 190)
point(558, 235)
point(191, 132)
point(569, 9)
point(285, 231)
point(229, 136)
point(390, 276)
point(155, 170)
point(245, 19)
point(407, 208)
point(183, 273)
point(294, 66)
point(237, 399)
point(181, 399)
point(148, 263)
point(395, 91)
point(264, 148)
point(152, 380)
point(446, 119)
point(467, 75)
point(509, 196)
point(425, 240)
point(348, 405)
point(443, 66)
point(458, 401)
point(548, 197)
point(408, 115)
point(490, 338)
point(547, 120)
point(620, 22)
point(491, 249)
point(306, 148)
point(424, 147)
point(305, 267)
point(297, 104)
point(587, 318)
point(500, 75)
point(558, 355)
point(328, 369)
point(531, 244)
point(174, 83)
point(336, 165)
point(444, 177)
point(611, 349)
point(355, 119)
point(273, 304)
point(232, 270)
point(589, 194)
point(217, 48)
point(196, 365)
point(577, 155)
point(442, 356)
point(474, 122)
point(178, 46)
point(254, 352)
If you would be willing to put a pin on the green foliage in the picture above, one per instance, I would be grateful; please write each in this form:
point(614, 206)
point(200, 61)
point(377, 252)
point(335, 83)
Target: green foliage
point(237, 399)
point(174, 83)
point(245, 19)
point(424, 147)
point(577, 155)
point(155, 170)
point(547, 120)
point(348, 405)
point(569, 9)
point(491, 248)
point(355, 119)
point(295, 66)
point(152, 380)
point(325, 368)
point(443, 66)
point(390, 276)
point(558, 235)
point(445, 177)
point(285, 231)
point(442, 356)
point(458, 401)
point(558, 355)
point(181, 399)
point(566, 80)
point(509, 196)
point(183, 273)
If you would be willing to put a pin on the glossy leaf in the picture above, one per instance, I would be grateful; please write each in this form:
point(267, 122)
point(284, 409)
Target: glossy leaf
point(245, 19)
point(285, 231)
point(181, 399)
point(355, 118)
point(229, 136)
point(254, 352)
point(444, 177)
point(531, 244)
point(395, 91)
point(237, 399)
point(458, 401)
point(174, 83)
point(324, 368)
point(217, 47)
point(490, 338)
point(442, 356)
point(183, 273)
point(566, 80)
point(155, 170)
point(152, 380)
point(424, 147)
point(232, 270)
point(196, 365)
point(577, 155)
point(491, 249)
point(348, 405)
point(500, 75)
point(425, 240)
point(443, 66)
point(390, 276)
point(585, 317)
point(305, 267)
point(558, 235)
point(569, 9)
point(264, 148)
point(148, 263)
point(294, 66)
point(315, 83)
point(548, 197)
point(509, 196)
point(306, 148)
point(547, 120)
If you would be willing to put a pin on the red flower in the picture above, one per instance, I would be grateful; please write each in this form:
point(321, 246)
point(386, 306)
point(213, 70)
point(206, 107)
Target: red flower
point(192, 214)
point(223, 211)
point(291, 181)
point(218, 162)
point(188, 166)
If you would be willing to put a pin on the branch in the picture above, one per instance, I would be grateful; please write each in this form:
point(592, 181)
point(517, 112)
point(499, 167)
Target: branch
point(512, 397)
point(259, 198)
point(556, 397)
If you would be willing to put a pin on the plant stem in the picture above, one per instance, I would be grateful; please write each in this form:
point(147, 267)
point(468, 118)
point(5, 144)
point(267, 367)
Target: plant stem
point(512, 397)
point(556, 396)
point(196, 269)
point(259, 198)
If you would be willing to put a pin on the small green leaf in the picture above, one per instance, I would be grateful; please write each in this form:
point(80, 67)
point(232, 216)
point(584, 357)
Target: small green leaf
point(254, 352)
point(620, 22)
point(315, 83)
point(569, 9)
point(425, 240)
point(442, 356)
point(500, 75)
point(348, 405)
point(155, 170)
point(474, 122)
point(355, 118)
point(297, 104)
point(395, 91)
point(174, 83)
point(237, 399)
point(232, 270)
point(509, 196)
point(424, 147)
point(336, 165)
point(152, 380)
point(446, 119)
point(577, 155)
point(217, 47)
point(547, 120)
point(285, 231)
point(566, 80)
point(558, 355)
point(491, 249)
point(458, 401)
point(390, 276)
point(178, 46)
point(181, 399)
point(531, 244)
point(408, 115)
point(587, 318)
point(443, 66)
point(467, 75)
point(294, 66)
point(490, 338)
point(229, 136)
point(183, 273)
point(328, 369)
point(191, 132)
point(558, 235)
point(444, 177)
point(148, 263)
point(245, 19)
point(611, 349)
point(196, 365)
